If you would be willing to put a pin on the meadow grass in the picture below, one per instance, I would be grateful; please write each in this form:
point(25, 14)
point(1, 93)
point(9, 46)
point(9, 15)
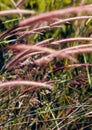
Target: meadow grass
point(46, 67)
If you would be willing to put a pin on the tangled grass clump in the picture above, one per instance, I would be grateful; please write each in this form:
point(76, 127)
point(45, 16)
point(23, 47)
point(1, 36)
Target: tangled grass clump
point(46, 69)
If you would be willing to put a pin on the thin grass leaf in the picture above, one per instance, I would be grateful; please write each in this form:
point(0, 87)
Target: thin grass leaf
point(20, 3)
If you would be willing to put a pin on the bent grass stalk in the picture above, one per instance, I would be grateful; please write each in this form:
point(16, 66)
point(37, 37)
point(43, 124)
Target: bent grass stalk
point(46, 16)
point(70, 19)
point(36, 85)
point(76, 39)
point(80, 49)
point(12, 12)
point(29, 48)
